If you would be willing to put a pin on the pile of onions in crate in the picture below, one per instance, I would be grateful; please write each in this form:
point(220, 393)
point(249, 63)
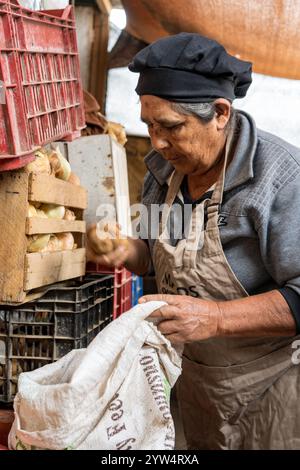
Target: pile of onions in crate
point(51, 162)
point(45, 243)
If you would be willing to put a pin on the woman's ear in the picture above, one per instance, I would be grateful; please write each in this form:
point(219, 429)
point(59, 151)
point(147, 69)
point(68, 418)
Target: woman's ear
point(223, 112)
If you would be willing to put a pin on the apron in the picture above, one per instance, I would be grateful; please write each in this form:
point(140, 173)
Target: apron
point(234, 392)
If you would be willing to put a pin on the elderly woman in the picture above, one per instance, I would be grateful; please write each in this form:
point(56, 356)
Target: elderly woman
point(231, 278)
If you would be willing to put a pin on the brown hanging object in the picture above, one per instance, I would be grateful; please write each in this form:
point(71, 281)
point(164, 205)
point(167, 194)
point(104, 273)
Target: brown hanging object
point(266, 33)
point(92, 112)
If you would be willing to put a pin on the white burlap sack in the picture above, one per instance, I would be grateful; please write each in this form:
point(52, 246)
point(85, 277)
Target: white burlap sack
point(112, 395)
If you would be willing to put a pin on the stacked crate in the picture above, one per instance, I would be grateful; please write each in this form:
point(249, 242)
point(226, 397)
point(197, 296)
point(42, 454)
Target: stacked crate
point(106, 179)
point(123, 283)
point(20, 272)
point(41, 100)
point(67, 317)
point(122, 286)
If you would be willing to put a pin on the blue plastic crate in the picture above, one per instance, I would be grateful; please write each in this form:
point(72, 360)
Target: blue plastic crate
point(136, 288)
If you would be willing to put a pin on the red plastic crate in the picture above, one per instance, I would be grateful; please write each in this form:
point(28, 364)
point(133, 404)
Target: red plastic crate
point(6, 421)
point(39, 68)
point(122, 286)
point(123, 298)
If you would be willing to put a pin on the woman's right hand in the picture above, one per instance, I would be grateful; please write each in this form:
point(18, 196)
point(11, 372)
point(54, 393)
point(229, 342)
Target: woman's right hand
point(107, 248)
point(129, 252)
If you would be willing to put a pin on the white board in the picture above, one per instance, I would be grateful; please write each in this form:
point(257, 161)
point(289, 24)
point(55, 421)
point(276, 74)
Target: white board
point(101, 164)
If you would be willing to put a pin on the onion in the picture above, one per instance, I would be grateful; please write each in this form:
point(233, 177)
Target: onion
point(41, 214)
point(69, 215)
point(16, 368)
point(41, 316)
point(37, 205)
point(53, 244)
point(60, 166)
point(31, 211)
point(67, 240)
point(40, 164)
point(53, 211)
point(74, 179)
point(117, 131)
point(54, 163)
point(36, 243)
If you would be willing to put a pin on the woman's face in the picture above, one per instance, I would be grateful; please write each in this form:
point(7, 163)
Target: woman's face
point(192, 147)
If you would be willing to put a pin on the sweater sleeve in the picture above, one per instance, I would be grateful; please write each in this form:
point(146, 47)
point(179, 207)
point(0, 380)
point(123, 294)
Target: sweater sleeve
point(279, 237)
point(293, 300)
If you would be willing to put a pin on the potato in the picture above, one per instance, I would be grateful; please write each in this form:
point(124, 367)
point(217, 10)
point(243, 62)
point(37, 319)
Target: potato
point(107, 240)
point(99, 241)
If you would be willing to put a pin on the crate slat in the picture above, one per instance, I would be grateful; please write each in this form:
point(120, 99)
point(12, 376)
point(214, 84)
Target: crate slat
point(47, 189)
point(42, 269)
point(35, 225)
point(13, 203)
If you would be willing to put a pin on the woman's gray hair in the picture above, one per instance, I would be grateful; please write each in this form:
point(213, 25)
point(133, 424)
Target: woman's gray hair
point(204, 111)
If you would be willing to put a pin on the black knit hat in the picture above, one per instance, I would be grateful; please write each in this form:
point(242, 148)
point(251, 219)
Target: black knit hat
point(191, 68)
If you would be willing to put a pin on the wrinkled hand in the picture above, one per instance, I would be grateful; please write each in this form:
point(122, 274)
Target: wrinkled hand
point(185, 319)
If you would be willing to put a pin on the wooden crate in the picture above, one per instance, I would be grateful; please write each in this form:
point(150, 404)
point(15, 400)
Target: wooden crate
point(20, 271)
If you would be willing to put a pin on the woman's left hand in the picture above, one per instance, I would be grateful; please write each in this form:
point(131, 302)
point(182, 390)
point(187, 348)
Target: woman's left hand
point(185, 319)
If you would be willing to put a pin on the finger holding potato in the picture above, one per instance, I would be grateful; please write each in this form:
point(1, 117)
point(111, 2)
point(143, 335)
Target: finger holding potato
point(106, 245)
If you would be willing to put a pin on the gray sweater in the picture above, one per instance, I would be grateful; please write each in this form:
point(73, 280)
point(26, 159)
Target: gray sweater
point(260, 215)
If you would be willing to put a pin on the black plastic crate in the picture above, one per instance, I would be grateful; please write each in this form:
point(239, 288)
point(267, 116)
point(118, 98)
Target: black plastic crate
point(67, 317)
